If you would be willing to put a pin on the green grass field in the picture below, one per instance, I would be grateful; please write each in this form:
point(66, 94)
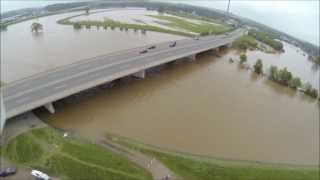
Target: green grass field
point(70, 159)
point(202, 27)
point(191, 167)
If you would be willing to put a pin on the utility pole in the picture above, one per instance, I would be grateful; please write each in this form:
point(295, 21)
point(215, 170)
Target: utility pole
point(228, 9)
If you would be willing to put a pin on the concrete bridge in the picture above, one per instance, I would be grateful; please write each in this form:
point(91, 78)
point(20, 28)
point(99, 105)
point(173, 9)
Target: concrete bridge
point(44, 88)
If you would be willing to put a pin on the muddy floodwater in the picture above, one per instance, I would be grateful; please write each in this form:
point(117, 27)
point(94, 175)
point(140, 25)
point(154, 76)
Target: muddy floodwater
point(24, 53)
point(209, 106)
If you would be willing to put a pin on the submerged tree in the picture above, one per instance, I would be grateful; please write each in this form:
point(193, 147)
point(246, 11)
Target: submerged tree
point(88, 26)
point(36, 27)
point(3, 27)
point(258, 67)
point(77, 25)
point(273, 73)
point(87, 9)
point(284, 76)
point(243, 58)
point(295, 82)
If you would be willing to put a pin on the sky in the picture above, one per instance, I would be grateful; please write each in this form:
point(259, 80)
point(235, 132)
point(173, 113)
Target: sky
point(299, 18)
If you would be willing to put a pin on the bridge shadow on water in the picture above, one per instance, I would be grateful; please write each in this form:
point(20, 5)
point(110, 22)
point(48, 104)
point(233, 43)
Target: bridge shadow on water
point(160, 76)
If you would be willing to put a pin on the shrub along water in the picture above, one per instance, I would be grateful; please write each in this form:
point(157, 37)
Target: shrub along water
point(284, 77)
point(243, 58)
point(258, 67)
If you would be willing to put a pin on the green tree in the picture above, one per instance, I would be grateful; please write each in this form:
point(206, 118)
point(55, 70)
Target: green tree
point(243, 58)
point(3, 27)
point(284, 76)
point(36, 27)
point(318, 60)
point(258, 67)
point(274, 73)
point(309, 90)
point(295, 83)
point(161, 10)
point(77, 25)
point(88, 26)
point(87, 9)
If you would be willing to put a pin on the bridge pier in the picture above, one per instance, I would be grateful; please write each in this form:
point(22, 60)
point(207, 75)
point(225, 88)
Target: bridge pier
point(50, 108)
point(140, 74)
point(192, 57)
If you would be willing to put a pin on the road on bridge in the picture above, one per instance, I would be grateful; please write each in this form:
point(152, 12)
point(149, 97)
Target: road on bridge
point(43, 88)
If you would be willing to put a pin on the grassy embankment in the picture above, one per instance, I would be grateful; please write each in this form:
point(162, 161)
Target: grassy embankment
point(187, 28)
point(68, 158)
point(190, 167)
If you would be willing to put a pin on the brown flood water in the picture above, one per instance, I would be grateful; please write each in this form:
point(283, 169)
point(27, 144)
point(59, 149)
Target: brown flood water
point(24, 53)
point(207, 107)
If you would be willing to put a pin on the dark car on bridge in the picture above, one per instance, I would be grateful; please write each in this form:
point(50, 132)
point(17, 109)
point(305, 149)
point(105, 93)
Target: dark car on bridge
point(8, 171)
point(152, 47)
point(173, 44)
point(143, 51)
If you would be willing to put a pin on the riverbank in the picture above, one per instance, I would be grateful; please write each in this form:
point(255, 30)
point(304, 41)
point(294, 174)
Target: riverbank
point(68, 157)
point(56, 154)
point(187, 166)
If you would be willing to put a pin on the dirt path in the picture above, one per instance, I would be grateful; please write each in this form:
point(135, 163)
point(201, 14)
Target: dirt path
point(158, 170)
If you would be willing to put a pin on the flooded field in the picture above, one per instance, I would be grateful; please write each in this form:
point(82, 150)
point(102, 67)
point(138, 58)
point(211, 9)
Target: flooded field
point(209, 106)
point(24, 54)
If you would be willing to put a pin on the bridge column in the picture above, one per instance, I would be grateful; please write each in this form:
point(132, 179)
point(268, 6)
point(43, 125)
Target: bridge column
point(50, 108)
point(192, 57)
point(140, 74)
point(2, 114)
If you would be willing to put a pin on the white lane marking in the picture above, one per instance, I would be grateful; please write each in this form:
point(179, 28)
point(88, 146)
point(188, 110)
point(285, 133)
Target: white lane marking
point(60, 87)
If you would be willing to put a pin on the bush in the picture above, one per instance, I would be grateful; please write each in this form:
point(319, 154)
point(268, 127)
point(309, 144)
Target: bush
point(309, 90)
point(258, 67)
point(77, 25)
point(243, 58)
point(273, 73)
point(284, 76)
point(245, 42)
point(3, 26)
point(295, 82)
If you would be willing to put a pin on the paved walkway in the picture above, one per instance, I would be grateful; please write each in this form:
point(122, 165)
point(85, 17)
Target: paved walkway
point(158, 170)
